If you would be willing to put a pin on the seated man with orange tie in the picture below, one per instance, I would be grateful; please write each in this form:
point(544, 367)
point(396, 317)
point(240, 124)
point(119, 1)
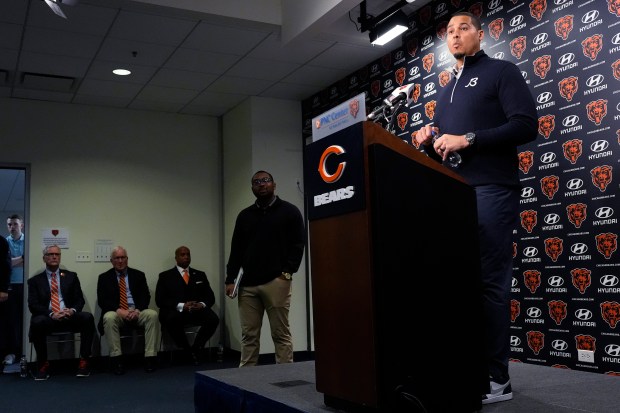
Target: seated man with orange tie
point(56, 301)
point(184, 297)
point(124, 297)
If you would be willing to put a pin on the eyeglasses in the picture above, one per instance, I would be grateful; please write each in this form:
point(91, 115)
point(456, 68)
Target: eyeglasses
point(265, 180)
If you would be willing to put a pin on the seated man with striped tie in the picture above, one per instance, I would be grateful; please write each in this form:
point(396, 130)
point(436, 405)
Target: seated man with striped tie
point(56, 301)
point(123, 295)
point(184, 297)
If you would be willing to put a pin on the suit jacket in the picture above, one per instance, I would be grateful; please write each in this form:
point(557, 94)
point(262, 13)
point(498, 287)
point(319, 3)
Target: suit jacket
point(172, 290)
point(109, 295)
point(39, 294)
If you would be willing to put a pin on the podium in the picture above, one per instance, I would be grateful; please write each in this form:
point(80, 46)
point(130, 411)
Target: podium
point(395, 276)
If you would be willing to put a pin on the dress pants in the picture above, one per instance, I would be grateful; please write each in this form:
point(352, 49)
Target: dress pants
point(176, 321)
point(112, 324)
point(81, 322)
point(498, 216)
point(275, 298)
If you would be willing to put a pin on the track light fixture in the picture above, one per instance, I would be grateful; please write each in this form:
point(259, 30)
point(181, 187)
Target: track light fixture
point(386, 26)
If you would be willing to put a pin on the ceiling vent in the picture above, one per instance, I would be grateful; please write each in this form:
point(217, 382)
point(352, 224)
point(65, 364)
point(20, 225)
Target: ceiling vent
point(47, 82)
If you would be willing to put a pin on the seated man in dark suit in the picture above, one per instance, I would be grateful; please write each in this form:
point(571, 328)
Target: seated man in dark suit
point(124, 297)
point(56, 301)
point(184, 297)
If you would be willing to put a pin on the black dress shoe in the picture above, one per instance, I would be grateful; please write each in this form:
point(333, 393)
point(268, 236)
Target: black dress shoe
point(117, 365)
point(150, 364)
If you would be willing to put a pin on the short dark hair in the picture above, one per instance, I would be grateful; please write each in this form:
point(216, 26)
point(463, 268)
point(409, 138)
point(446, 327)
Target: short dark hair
point(15, 216)
point(474, 19)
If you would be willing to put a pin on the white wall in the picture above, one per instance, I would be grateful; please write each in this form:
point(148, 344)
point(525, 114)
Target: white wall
point(148, 181)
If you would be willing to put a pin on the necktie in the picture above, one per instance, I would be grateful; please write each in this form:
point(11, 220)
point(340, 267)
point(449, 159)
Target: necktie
point(185, 276)
point(123, 288)
point(55, 298)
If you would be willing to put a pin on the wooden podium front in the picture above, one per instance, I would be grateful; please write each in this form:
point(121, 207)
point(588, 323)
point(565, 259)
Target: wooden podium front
point(395, 276)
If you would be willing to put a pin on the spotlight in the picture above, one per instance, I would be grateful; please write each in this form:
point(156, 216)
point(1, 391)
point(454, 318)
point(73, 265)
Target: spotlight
point(388, 29)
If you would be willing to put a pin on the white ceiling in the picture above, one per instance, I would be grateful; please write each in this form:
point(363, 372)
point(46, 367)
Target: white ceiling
point(199, 57)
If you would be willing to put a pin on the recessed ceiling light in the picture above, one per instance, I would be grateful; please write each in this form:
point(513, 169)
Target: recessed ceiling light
point(121, 72)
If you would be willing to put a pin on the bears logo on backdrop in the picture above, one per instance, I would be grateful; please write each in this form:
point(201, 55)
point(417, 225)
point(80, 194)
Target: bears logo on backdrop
point(585, 342)
point(550, 185)
point(607, 244)
point(528, 220)
point(581, 279)
point(538, 8)
point(597, 110)
point(428, 61)
point(515, 310)
point(542, 65)
point(496, 27)
point(517, 47)
point(576, 214)
point(563, 26)
point(531, 278)
point(546, 124)
point(526, 160)
point(610, 310)
point(557, 311)
point(554, 247)
point(592, 45)
point(572, 150)
point(601, 176)
point(535, 341)
point(568, 87)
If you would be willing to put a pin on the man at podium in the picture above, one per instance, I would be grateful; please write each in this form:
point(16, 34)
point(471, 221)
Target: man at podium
point(483, 114)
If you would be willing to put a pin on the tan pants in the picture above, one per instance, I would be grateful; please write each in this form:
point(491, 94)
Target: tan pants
point(112, 324)
point(275, 298)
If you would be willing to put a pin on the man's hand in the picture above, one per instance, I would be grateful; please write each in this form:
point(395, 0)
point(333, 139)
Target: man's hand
point(193, 306)
point(128, 315)
point(229, 290)
point(4, 296)
point(62, 314)
point(424, 135)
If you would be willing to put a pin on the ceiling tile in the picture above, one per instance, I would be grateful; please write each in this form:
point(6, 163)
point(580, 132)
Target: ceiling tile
point(223, 39)
point(163, 94)
point(151, 28)
point(239, 85)
point(62, 43)
point(183, 79)
point(262, 69)
point(109, 88)
point(146, 54)
point(201, 61)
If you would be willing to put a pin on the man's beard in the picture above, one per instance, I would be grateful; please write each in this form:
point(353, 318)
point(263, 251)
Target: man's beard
point(459, 56)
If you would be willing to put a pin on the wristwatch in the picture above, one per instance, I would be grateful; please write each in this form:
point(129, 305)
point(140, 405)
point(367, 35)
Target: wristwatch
point(471, 138)
point(286, 275)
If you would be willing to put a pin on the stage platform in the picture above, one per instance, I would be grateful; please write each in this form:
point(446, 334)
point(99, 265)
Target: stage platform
point(278, 388)
point(291, 388)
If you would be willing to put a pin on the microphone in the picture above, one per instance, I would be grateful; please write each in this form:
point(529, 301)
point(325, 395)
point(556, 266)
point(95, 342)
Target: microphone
point(398, 95)
point(377, 113)
point(401, 94)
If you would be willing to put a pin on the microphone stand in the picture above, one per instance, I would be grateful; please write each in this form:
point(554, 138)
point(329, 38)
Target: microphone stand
point(390, 126)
